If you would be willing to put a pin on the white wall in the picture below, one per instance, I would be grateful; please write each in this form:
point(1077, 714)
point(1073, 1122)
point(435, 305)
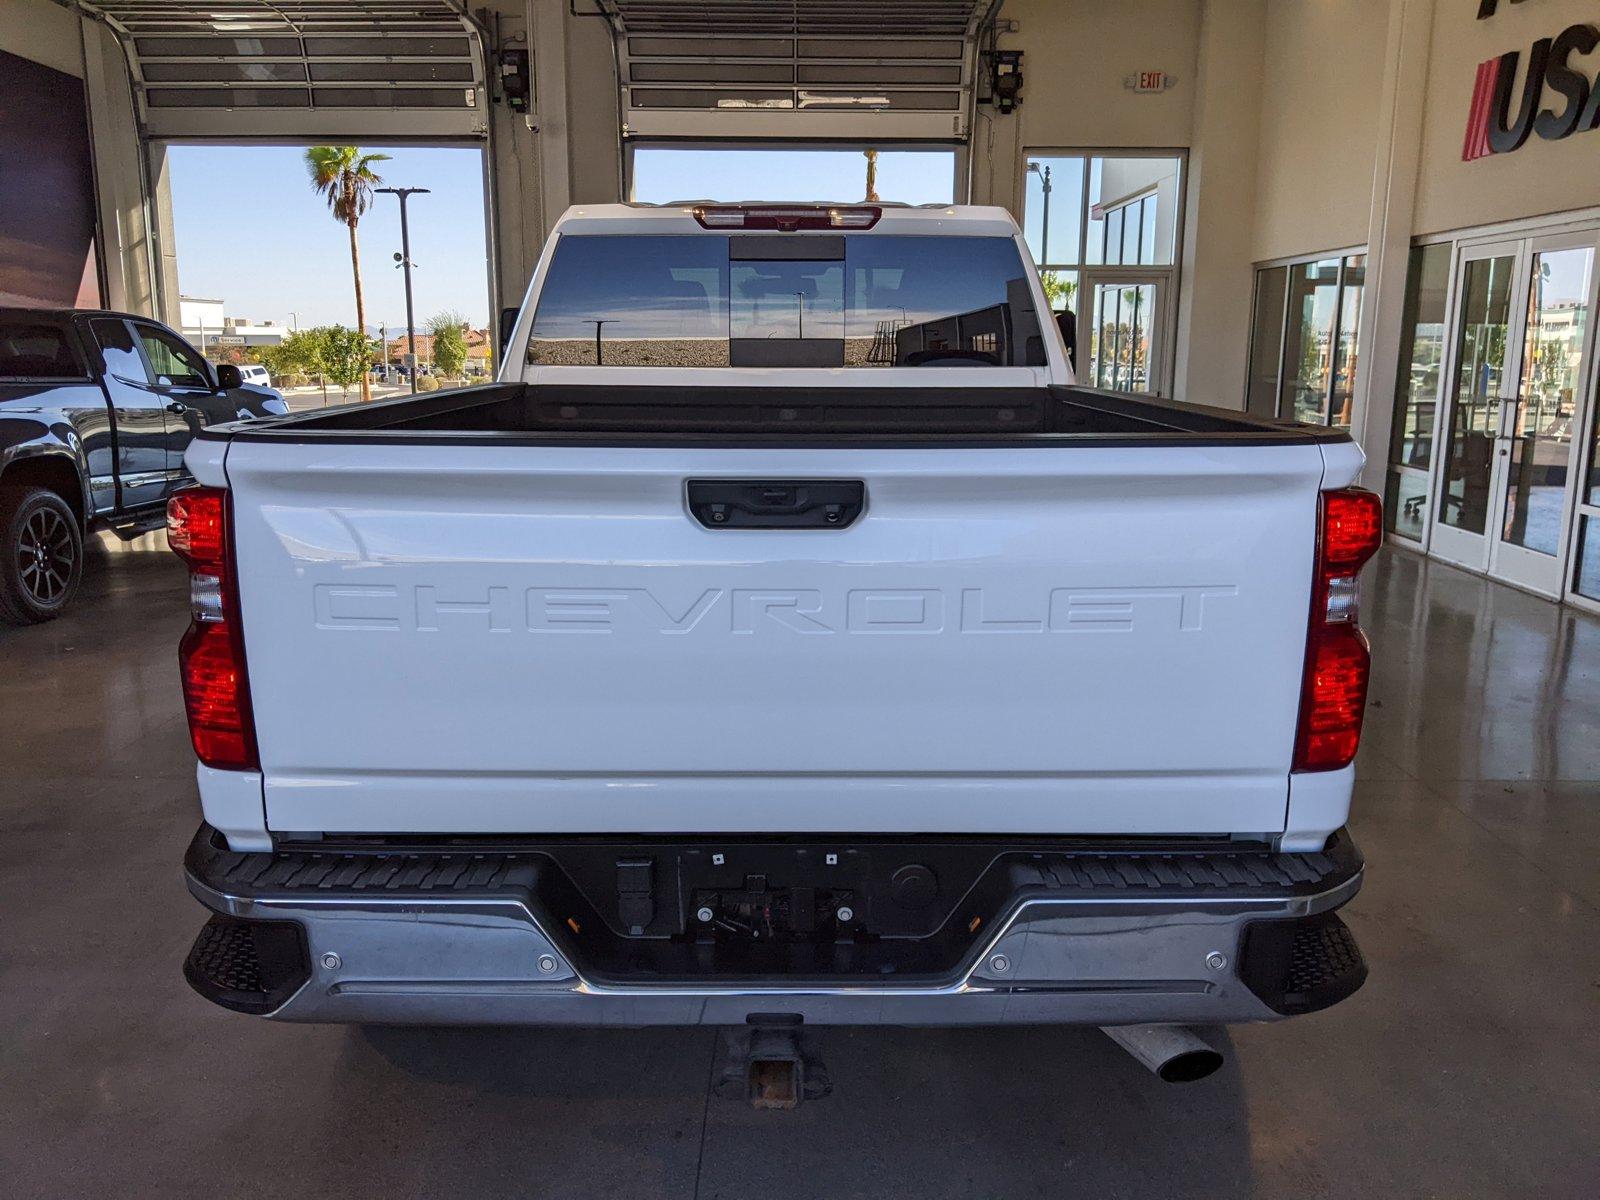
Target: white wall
point(1321, 74)
point(42, 32)
point(1213, 332)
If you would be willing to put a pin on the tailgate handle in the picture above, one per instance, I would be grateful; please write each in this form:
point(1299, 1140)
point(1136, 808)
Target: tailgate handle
point(776, 503)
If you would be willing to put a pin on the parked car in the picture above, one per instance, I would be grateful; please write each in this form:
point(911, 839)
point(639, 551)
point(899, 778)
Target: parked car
point(96, 411)
point(783, 639)
point(255, 375)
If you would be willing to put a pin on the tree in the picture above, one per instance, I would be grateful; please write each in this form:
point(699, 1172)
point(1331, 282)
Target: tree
point(344, 176)
point(1058, 291)
point(345, 356)
point(449, 330)
point(300, 353)
point(238, 355)
point(872, 174)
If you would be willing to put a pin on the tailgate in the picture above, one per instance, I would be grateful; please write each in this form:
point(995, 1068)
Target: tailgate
point(525, 638)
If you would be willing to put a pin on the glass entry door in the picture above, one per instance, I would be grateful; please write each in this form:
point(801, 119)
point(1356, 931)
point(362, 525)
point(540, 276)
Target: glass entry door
point(1516, 399)
point(1125, 349)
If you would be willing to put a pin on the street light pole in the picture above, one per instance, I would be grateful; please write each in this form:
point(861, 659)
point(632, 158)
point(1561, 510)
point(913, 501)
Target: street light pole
point(1043, 172)
point(404, 258)
point(599, 354)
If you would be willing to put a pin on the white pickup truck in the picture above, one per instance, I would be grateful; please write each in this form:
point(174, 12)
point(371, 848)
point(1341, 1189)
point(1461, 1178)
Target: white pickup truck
point(782, 638)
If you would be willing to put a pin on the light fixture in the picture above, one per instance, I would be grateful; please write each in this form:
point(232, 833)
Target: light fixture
point(1005, 79)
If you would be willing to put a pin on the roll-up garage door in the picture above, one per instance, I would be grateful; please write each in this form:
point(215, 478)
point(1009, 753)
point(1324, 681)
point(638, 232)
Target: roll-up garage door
point(808, 69)
point(301, 68)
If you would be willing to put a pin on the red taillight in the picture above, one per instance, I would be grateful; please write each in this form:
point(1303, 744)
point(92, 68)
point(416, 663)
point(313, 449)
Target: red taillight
point(1352, 529)
point(195, 525)
point(216, 691)
point(1335, 696)
point(1334, 693)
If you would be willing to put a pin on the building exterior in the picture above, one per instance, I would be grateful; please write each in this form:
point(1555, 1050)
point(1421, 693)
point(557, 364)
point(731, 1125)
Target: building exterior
point(480, 351)
point(205, 323)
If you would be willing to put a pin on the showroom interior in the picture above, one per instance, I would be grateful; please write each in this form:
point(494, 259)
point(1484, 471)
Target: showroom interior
point(1306, 210)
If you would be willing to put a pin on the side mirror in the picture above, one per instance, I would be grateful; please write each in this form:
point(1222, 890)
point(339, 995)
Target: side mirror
point(228, 376)
point(508, 322)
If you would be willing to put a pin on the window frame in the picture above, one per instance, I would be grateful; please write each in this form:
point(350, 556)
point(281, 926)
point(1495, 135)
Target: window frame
point(1344, 255)
point(1394, 469)
point(208, 380)
point(1171, 274)
point(69, 339)
point(729, 241)
point(138, 349)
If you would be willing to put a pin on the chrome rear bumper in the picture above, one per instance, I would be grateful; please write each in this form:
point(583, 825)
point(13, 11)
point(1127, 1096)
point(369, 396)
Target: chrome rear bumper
point(1089, 954)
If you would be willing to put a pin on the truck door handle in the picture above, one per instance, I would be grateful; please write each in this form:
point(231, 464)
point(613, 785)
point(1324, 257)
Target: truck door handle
point(776, 503)
point(177, 407)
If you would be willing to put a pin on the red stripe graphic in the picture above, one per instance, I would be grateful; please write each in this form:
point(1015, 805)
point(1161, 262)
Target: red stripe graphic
point(1471, 135)
point(1489, 87)
point(1476, 144)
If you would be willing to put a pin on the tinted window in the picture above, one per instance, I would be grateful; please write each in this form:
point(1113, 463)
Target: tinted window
point(635, 302)
point(36, 350)
point(172, 359)
point(785, 300)
point(117, 349)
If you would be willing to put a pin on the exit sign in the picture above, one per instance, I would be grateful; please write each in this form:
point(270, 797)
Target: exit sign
point(1148, 81)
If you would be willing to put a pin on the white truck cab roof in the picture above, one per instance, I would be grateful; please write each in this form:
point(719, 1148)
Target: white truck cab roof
point(976, 220)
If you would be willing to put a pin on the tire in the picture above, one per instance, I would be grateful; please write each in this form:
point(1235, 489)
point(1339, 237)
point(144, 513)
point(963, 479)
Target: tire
point(41, 555)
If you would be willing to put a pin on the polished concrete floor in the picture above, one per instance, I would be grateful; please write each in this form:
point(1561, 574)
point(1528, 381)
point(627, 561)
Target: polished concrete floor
point(1467, 1067)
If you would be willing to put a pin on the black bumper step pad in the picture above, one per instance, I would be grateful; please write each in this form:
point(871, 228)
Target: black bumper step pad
point(1156, 874)
point(276, 873)
point(248, 966)
point(1241, 873)
point(1303, 965)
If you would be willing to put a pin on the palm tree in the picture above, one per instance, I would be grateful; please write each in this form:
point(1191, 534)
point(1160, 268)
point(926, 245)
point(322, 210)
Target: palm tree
point(345, 177)
point(872, 174)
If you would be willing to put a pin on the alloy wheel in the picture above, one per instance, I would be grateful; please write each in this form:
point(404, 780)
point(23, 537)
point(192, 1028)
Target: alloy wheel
point(46, 557)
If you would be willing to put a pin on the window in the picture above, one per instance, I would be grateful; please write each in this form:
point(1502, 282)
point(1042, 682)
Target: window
point(787, 300)
point(36, 350)
point(1416, 390)
point(1266, 341)
point(172, 360)
point(1104, 230)
point(1304, 348)
point(121, 356)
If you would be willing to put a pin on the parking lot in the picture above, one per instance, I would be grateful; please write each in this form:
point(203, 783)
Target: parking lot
point(1465, 1067)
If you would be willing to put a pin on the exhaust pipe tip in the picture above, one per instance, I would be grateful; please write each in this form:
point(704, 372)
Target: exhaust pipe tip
point(1173, 1053)
point(1190, 1066)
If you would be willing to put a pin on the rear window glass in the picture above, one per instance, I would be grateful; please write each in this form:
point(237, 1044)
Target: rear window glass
point(36, 350)
point(785, 301)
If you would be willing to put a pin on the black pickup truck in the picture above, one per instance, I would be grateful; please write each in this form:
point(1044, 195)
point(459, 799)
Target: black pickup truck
point(96, 411)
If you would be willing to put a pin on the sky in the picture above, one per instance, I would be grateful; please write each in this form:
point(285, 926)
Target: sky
point(251, 233)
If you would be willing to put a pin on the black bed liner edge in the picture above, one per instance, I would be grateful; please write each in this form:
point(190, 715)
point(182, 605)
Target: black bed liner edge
point(1168, 422)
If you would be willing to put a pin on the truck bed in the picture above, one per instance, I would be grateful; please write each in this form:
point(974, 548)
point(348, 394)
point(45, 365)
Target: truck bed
point(587, 414)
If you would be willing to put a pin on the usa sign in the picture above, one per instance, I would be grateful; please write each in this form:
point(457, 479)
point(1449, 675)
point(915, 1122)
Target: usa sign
point(1495, 126)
